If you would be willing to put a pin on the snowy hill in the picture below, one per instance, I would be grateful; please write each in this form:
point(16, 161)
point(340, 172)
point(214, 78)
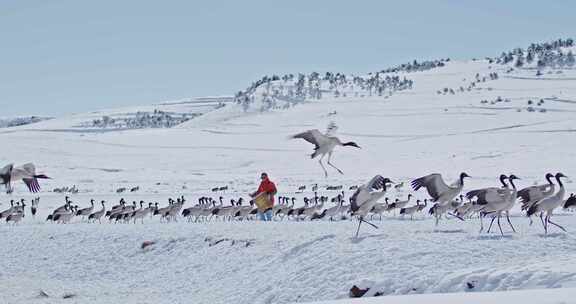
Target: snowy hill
point(483, 117)
point(8, 122)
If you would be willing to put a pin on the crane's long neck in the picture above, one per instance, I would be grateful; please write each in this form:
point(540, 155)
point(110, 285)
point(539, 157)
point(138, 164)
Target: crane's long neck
point(559, 182)
point(503, 181)
point(512, 183)
point(514, 194)
point(549, 179)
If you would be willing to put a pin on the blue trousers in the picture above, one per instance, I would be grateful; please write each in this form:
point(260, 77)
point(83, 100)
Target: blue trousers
point(265, 216)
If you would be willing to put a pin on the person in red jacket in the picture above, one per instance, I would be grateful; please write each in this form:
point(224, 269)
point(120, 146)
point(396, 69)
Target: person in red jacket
point(268, 187)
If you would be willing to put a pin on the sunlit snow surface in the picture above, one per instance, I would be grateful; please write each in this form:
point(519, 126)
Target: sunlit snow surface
point(410, 134)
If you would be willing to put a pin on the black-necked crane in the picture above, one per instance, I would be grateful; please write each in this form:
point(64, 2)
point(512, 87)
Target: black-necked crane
point(34, 207)
point(531, 195)
point(413, 209)
point(438, 210)
point(484, 196)
point(366, 196)
point(324, 144)
point(550, 203)
point(308, 211)
point(62, 209)
point(86, 211)
point(17, 216)
point(440, 192)
point(336, 210)
point(570, 202)
point(64, 217)
point(25, 173)
point(244, 212)
point(8, 211)
point(142, 212)
point(398, 204)
point(98, 214)
point(495, 201)
point(318, 216)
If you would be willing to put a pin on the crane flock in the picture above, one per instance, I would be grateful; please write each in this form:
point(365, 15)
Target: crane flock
point(366, 202)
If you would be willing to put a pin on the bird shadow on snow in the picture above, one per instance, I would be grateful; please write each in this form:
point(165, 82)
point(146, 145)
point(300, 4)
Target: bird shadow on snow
point(493, 237)
point(559, 235)
point(297, 249)
point(356, 240)
point(447, 231)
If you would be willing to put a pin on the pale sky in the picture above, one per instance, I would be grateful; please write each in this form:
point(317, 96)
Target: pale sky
point(66, 56)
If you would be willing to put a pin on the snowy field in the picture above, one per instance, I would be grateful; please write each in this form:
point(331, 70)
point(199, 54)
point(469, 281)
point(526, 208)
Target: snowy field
point(404, 136)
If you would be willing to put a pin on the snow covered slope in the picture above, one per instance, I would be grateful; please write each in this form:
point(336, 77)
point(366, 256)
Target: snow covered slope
point(491, 125)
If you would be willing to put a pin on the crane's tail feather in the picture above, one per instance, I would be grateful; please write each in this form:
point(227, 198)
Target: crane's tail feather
point(532, 210)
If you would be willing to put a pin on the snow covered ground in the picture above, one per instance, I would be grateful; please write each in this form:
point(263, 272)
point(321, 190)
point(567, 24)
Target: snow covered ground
point(407, 135)
point(541, 296)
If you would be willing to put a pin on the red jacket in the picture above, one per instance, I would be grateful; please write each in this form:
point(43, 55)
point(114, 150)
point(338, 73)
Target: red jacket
point(266, 186)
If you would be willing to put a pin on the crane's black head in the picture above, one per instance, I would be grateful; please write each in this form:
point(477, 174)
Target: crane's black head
point(503, 177)
point(549, 175)
point(387, 181)
point(463, 175)
point(559, 175)
point(351, 144)
point(513, 177)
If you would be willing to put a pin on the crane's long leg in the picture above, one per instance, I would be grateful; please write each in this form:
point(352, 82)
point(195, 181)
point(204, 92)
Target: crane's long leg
point(359, 223)
point(546, 225)
point(510, 223)
point(331, 165)
point(500, 227)
point(367, 222)
point(551, 222)
point(322, 165)
point(492, 222)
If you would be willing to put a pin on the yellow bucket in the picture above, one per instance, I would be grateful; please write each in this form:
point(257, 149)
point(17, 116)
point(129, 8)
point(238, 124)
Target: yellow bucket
point(262, 201)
